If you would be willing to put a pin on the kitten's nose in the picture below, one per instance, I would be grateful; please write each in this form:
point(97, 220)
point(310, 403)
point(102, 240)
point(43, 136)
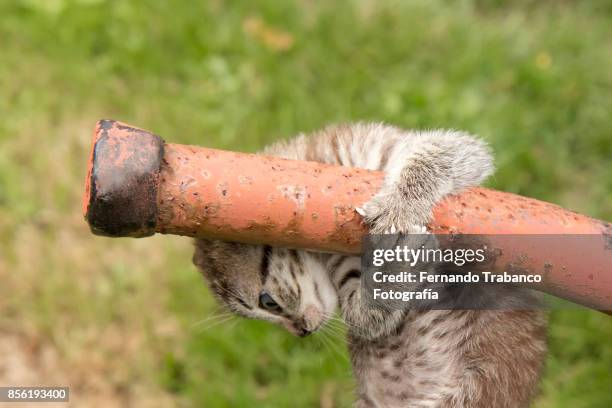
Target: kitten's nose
point(312, 313)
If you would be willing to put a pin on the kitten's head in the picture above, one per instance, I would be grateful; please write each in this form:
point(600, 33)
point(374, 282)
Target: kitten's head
point(284, 286)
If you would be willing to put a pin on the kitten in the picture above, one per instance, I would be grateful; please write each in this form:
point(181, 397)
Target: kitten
point(401, 358)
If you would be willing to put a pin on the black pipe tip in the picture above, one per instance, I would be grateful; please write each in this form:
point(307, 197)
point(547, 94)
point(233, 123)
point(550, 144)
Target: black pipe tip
point(123, 180)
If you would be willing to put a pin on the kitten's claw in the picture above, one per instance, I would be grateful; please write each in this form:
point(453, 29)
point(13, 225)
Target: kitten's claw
point(391, 230)
point(418, 229)
point(360, 211)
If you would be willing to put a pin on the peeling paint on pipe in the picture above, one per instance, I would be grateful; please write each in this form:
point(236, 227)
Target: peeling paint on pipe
point(138, 185)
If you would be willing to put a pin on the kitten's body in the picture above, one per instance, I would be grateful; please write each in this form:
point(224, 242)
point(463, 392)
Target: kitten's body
point(400, 358)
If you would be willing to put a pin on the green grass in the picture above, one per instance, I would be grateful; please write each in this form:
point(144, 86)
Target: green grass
point(533, 78)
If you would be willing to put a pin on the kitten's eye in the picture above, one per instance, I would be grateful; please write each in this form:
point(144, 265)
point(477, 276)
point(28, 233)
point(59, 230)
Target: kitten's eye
point(266, 302)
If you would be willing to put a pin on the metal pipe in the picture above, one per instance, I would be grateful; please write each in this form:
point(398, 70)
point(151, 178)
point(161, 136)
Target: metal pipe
point(138, 185)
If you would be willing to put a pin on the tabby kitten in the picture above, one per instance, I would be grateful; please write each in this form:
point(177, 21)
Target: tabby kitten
point(436, 358)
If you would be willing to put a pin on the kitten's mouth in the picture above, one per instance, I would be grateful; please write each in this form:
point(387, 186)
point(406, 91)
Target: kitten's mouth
point(300, 331)
point(306, 323)
point(304, 333)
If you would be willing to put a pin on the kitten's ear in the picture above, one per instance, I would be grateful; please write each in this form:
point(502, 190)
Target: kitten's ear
point(200, 255)
point(203, 242)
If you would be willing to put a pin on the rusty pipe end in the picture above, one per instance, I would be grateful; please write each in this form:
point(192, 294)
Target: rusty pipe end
point(122, 180)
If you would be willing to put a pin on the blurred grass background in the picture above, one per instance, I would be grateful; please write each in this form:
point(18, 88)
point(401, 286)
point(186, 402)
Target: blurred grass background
point(121, 320)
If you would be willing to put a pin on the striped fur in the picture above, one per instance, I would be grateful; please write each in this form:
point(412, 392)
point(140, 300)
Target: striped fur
point(400, 358)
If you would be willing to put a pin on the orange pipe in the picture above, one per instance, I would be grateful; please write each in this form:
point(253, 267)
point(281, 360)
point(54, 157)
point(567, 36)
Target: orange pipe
point(138, 185)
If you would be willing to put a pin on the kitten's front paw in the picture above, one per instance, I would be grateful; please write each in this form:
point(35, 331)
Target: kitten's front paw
point(368, 322)
point(388, 213)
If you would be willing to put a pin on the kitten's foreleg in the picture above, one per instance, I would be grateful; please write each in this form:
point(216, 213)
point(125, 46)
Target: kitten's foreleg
point(419, 173)
point(362, 318)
